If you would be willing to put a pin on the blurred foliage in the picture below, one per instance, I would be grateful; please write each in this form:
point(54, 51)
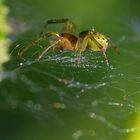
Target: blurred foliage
point(4, 30)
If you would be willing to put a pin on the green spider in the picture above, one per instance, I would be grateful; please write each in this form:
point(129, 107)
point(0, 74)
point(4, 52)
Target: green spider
point(90, 39)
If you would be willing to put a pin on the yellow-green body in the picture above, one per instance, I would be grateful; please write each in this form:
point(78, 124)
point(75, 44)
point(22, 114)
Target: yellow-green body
point(98, 43)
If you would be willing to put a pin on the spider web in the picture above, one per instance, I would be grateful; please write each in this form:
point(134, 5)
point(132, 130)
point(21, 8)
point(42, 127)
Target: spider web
point(90, 99)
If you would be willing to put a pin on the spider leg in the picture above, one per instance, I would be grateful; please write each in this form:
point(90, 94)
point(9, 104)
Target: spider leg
point(70, 27)
point(114, 46)
point(80, 47)
point(49, 47)
point(64, 44)
point(36, 41)
point(32, 43)
point(106, 60)
point(58, 48)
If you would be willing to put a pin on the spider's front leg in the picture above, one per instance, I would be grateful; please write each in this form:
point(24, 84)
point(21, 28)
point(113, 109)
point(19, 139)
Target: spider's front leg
point(105, 57)
point(113, 45)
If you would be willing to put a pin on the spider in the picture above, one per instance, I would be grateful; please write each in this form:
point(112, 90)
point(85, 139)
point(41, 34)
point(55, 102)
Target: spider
point(89, 39)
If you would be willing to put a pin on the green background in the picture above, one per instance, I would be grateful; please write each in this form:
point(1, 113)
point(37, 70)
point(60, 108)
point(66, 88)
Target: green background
point(56, 99)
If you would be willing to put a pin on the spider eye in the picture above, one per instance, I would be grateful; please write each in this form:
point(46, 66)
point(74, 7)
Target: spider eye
point(103, 38)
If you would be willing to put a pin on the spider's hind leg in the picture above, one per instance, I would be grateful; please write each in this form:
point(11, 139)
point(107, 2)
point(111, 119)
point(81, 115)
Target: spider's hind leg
point(69, 25)
point(36, 41)
point(58, 49)
point(53, 44)
point(32, 43)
